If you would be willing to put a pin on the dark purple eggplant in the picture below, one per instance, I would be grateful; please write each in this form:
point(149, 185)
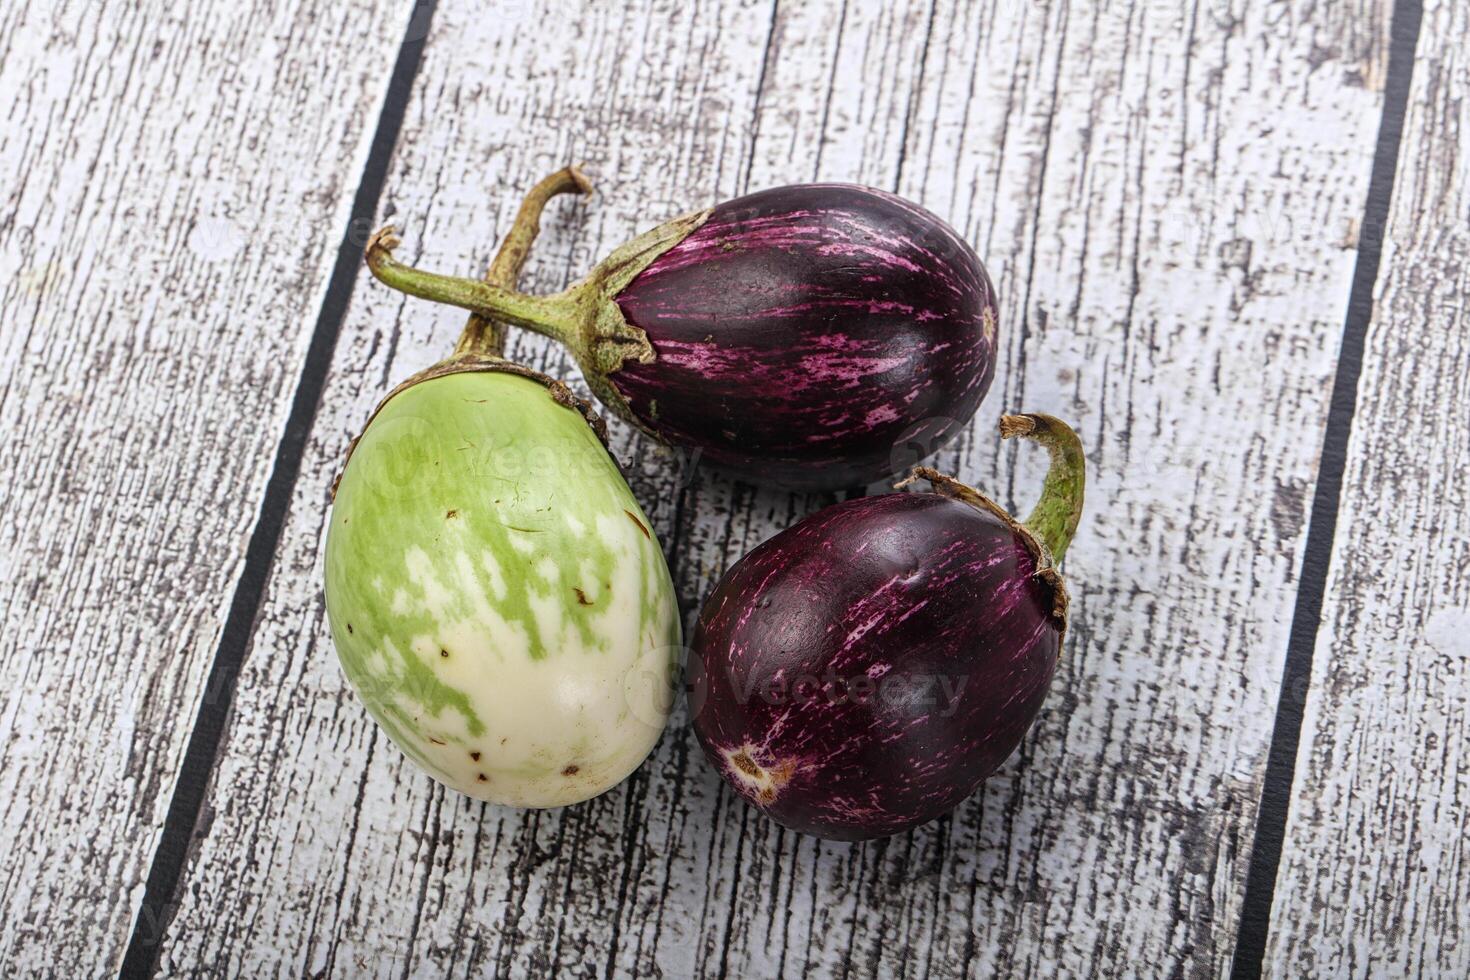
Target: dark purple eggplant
point(863, 671)
point(807, 337)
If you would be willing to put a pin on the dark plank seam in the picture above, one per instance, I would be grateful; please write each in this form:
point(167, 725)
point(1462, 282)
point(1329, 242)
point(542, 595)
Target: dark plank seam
point(166, 871)
point(1255, 918)
point(760, 88)
point(914, 97)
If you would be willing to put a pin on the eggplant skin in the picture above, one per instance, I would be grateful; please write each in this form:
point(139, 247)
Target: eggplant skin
point(863, 671)
point(813, 337)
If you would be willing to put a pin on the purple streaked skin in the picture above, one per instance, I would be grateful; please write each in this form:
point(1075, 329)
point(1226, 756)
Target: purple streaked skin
point(813, 337)
point(804, 334)
point(863, 671)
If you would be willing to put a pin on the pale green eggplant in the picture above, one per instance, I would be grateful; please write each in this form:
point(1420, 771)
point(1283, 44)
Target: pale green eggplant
point(496, 595)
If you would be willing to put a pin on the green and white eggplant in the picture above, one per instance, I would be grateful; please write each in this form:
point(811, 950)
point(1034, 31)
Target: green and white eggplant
point(496, 595)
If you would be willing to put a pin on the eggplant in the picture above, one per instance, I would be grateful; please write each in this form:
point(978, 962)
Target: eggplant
point(496, 595)
point(806, 337)
point(863, 671)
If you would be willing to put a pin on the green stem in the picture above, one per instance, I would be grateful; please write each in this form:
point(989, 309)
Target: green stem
point(485, 336)
point(1055, 516)
point(560, 317)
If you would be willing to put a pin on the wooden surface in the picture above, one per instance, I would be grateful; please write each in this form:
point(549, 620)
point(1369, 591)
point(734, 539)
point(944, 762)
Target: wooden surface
point(1168, 199)
point(171, 207)
point(1375, 878)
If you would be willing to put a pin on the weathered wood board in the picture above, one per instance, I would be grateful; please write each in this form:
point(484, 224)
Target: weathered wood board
point(1373, 878)
point(325, 849)
point(170, 206)
point(1166, 199)
point(1183, 281)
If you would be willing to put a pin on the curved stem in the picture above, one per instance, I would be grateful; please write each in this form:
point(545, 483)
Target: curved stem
point(482, 335)
point(1055, 516)
point(559, 317)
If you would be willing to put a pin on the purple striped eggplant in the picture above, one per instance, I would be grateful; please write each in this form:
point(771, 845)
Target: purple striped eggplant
point(806, 337)
point(863, 671)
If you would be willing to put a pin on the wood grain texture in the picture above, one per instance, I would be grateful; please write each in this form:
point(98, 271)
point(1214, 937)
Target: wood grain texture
point(1164, 198)
point(171, 208)
point(1176, 240)
point(325, 849)
point(1375, 876)
point(1168, 230)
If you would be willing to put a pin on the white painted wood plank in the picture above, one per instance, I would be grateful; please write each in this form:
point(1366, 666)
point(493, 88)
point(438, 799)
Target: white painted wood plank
point(170, 205)
point(327, 850)
point(1163, 197)
point(1375, 875)
point(1180, 224)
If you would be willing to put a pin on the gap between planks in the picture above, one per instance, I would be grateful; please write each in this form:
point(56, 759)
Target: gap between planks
point(1255, 918)
point(155, 911)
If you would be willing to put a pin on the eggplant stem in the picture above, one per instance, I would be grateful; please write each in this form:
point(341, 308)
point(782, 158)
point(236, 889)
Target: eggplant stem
point(483, 335)
point(560, 316)
point(1055, 516)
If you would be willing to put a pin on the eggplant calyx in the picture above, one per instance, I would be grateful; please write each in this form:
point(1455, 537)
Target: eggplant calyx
point(1041, 556)
point(1056, 514)
point(606, 340)
point(585, 317)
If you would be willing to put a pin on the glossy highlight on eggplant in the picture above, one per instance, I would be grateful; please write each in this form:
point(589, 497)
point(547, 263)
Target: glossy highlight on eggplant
point(812, 337)
point(862, 672)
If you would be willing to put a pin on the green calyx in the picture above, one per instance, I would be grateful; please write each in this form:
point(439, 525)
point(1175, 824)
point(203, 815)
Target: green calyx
point(585, 317)
point(1048, 530)
point(1056, 514)
point(482, 342)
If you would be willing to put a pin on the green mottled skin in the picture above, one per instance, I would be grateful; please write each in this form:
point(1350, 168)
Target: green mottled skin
point(496, 595)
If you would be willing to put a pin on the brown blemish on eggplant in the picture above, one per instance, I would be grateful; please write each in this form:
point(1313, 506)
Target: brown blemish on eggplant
point(634, 518)
point(450, 515)
point(437, 741)
point(571, 770)
point(561, 394)
point(987, 323)
point(475, 756)
point(759, 784)
point(349, 627)
point(482, 778)
point(581, 597)
point(444, 653)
